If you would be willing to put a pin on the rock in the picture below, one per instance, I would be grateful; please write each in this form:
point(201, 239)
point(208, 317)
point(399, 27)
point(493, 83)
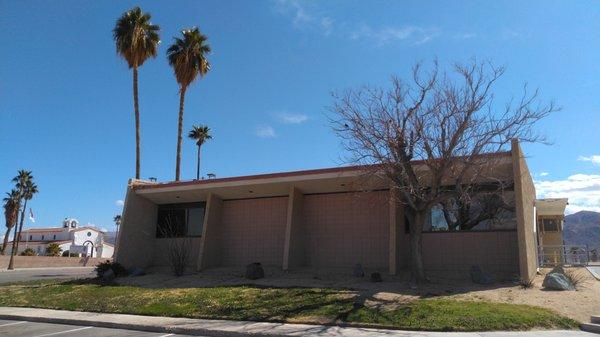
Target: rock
point(254, 271)
point(558, 269)
point(557, 281)
point(376, 277)
point(479, 277)
point(137, 272)
point(358, 270)
point(108, 275)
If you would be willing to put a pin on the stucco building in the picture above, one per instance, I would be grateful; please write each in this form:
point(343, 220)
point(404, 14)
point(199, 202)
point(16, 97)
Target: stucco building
point(85, 241)
point(320, 219)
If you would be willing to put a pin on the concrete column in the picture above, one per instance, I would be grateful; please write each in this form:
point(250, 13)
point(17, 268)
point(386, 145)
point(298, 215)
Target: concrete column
point(294, 249)
point(137, 232)
point(210, 243)
point(524, 202)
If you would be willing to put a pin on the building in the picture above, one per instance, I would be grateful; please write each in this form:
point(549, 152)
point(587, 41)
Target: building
point(318, 219)
point(550, 223)
point(86, 240)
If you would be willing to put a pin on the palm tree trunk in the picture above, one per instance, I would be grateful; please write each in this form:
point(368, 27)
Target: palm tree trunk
point(198, 165)
point(6, 237)
point(21, 223)
point(15, 243)
point(179, 132)
point(136, 109)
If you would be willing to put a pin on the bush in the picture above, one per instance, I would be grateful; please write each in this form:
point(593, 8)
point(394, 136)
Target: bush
point(576, 277)
point(66, 253)
point(28, 252)
point(53, 249)
point(116, 267)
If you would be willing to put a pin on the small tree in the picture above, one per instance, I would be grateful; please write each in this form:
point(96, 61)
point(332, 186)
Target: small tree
point(179, 248)
point(429, 137)
point(53, 249)
point(28, 252)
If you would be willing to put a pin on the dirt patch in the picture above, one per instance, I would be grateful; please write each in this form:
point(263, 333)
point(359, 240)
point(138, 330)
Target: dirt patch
point(394, 291)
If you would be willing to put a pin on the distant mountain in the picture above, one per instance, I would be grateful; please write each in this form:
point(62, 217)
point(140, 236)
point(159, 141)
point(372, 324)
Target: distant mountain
point(110, 237)
point(582, 228)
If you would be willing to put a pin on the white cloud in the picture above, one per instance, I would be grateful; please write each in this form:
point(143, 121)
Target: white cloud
point(414, 34)
point(464, 36)
point(265, 131)
point(583, 191)
point(595, 159)
point(120, 203)
point(291, 118)
point(544, 174)
point(294, 9)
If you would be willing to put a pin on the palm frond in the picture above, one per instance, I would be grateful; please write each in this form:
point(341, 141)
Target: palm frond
point(187, 56)
point(136, 38)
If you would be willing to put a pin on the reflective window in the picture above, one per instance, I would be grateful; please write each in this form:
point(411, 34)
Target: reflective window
point(180, 220)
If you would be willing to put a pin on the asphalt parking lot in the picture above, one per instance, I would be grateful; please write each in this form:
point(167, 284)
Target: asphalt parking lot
point(30, 274)
point(9, 328)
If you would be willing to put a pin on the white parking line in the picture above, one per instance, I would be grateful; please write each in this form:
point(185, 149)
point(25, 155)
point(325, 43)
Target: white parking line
point(67, 331)
point(13, 323)
point(167, 335)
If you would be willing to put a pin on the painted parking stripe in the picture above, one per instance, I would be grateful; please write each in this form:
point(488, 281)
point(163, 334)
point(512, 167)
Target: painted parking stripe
point(13, 323)
point(66, 331)
point(167, 335)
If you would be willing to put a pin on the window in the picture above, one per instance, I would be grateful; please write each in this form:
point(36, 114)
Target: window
point(179, 220)
point(54, 237)
point(550, 225)
point(30, 237)
point(89, 234)
point(42, 237)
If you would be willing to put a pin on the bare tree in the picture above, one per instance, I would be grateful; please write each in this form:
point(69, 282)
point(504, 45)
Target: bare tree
point(432, 136)
point(179, 247)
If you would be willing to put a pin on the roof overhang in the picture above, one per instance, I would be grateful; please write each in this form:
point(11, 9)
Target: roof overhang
point(551, 206)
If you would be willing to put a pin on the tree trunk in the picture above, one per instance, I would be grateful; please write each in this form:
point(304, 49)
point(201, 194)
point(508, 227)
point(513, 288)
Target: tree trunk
point(137, 123)
point(179, 132)
point(198, 165)
point(16, 237)
point(6, 237)
point(416, 246)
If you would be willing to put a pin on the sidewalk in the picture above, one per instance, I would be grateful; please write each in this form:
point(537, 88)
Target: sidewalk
point(218, 328)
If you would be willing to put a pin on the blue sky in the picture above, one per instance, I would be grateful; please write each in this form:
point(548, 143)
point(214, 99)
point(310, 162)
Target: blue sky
point(66, 102)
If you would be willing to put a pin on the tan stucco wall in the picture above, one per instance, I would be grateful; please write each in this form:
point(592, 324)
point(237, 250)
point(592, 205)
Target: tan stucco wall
point(163, 245)
point(210, 243)
point(525, 199)
point(344, 229)
point(137, 232)
point(294, 250)
point(253, 230)
point(453, 253)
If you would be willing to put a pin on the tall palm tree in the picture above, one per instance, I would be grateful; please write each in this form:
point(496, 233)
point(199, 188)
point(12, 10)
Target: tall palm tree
point(11, 213)
point(187, 56)
point(27, 188)
point(137, 40)
point(200, 134)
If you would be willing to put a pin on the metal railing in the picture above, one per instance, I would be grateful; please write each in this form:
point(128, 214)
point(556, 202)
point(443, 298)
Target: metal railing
point(567, 255)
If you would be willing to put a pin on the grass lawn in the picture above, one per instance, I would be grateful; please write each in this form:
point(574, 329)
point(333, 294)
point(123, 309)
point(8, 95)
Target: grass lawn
point(306, 305)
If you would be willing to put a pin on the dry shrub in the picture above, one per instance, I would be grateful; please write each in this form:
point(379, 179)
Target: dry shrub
point(576, 277)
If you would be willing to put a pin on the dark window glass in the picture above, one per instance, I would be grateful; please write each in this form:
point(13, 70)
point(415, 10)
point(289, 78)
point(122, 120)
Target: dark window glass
point(42, 237)
point(30, 237)
point(179, 220)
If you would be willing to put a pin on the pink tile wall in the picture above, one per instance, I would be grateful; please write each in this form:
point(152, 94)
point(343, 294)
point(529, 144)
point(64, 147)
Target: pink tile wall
point(347, 228)
point(253, 230)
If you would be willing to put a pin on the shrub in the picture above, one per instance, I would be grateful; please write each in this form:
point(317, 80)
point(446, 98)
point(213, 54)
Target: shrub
point(66, 253)
point(53, 249)
point(576, 277)
point(116, 267)
point(28, 252)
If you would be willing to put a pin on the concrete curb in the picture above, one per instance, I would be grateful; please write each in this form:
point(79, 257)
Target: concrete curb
point(222, 328)
point(201, 327)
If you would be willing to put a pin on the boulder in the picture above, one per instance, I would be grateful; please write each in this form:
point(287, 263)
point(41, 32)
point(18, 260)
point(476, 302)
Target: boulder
point(254, 271)
point(358, 270)
point(137, 272)
point(557, 281)
point(480, 277)
point(108, 275)
point(376, 277)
